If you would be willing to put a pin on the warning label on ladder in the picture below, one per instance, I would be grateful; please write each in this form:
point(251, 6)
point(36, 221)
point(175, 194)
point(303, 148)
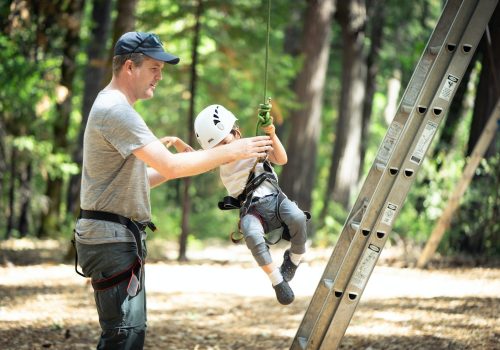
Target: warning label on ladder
point(448, 87)
point(389, 142)
point(389, 214)
point(365, 267)
point(423, 142)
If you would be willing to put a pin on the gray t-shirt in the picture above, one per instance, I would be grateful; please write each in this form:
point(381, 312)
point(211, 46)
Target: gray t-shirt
point(113, 179)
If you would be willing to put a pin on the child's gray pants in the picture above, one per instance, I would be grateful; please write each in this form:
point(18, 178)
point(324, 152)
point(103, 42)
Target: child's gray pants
point(254, 231)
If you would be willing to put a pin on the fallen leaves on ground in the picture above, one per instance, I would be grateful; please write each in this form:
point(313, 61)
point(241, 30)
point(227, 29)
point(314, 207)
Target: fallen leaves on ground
point(227, 303)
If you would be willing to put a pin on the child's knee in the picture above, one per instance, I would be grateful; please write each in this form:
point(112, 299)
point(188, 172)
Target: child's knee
point(251, 225)
point(297, 221)
point(259, 249)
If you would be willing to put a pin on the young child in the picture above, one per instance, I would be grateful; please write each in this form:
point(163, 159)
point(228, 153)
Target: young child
point(264, 207)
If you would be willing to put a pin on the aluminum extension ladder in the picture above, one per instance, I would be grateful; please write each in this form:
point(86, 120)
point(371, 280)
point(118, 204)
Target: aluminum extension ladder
point(425, 102)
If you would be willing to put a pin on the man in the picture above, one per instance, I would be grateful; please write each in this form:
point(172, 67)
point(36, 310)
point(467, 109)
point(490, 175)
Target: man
point(122, 160)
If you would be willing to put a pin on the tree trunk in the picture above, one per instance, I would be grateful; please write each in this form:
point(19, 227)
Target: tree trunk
point(3, 167)
point(124, 22)
point(186, 201)
point(376, 14)
point(488, 86)
point(345, 165)
point(393, 89)
point(298, 176)
point(94, 73)
point(12, 193)
point(4, 14)
point(23, 225)
point(64, 108)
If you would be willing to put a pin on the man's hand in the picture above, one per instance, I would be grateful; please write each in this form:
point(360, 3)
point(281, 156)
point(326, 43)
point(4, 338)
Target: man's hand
point(177, 143)
point(252, 147)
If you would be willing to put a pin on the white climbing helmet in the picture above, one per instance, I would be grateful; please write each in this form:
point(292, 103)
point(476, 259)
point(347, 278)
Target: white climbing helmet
point(212, 125)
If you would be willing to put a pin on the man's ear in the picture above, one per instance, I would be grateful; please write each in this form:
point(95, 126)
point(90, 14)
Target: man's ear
point(128, 65)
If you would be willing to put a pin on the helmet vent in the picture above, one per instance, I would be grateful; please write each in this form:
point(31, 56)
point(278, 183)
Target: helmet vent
point(217, 119)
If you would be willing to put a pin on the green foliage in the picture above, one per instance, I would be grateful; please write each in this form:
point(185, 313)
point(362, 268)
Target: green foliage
point(476, 228)
point(425, 202)
point(329, 232)
point(23, 86)
point(53, 164)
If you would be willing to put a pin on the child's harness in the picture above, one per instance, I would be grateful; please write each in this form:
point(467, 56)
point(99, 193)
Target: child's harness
point(133, 272)
point(245, 200)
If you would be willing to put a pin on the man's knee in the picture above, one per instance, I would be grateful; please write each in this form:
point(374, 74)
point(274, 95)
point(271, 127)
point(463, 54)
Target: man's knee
point(123, 338)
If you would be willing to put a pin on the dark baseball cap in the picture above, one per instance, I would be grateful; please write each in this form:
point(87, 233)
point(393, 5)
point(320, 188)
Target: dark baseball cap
point(147, 43)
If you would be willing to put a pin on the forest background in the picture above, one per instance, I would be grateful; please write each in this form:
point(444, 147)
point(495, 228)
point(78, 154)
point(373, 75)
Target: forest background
point(336, 73)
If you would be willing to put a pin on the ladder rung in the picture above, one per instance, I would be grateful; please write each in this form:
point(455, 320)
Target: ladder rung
point(434, 50)
point(328, 283)
point(451, 47)
point(380, 166)
point(405, 108)
point(302, 342)
point(355, 225)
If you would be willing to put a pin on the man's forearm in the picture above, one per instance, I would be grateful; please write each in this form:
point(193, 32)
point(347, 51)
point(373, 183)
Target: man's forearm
point(172, 166)
point(166, 165)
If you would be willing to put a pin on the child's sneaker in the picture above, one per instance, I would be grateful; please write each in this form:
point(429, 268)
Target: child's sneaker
point(284, 293)
point(288, 268)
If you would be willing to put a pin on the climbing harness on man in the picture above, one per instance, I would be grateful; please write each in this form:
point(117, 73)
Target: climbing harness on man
point(132, 273)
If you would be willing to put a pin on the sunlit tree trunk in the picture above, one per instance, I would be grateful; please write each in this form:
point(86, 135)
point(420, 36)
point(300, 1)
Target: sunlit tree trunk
point(94, 72)
point(298, 176)
point(186, 200)
point(393, 89)
point(345, 165)
point(50, 219)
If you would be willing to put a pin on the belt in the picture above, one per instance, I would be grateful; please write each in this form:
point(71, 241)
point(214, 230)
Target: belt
point(119, 219)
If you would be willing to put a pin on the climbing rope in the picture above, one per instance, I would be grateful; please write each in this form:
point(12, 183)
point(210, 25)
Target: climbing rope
point(264, 116)
point(267, 48)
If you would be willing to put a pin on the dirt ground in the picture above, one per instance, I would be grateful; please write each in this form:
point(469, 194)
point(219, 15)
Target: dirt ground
point(220, 300)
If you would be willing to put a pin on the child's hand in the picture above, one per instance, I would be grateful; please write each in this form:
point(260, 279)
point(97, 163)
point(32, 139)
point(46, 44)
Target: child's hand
point(270, 129)
point(177, 143)
point(265, 113)
point(265, 119)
